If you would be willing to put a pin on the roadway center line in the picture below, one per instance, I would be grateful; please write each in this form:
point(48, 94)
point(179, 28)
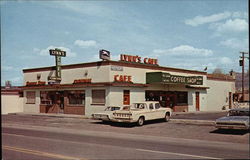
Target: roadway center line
point(144, 150)
point(178, 154)
point(39, 153)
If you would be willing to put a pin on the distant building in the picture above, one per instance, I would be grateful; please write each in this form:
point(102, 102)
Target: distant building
point(11, 99)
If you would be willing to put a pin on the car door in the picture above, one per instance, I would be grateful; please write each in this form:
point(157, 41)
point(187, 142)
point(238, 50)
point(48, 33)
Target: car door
point(150, 112)
point(158, 112)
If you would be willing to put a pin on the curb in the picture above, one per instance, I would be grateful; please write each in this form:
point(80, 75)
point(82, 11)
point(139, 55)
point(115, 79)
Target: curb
point(193, 122)
point(177, 121)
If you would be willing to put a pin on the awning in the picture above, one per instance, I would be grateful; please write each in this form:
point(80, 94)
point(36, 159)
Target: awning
point(63, 86)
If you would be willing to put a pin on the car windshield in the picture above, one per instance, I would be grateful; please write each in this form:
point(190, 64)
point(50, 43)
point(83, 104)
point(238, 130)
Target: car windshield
point(238, 113)
point(112, 108)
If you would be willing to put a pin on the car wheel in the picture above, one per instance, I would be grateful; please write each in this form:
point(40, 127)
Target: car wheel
point(140, 121)
point(167, 117)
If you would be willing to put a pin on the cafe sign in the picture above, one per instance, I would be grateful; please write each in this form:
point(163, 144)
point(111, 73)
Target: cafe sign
point(154, 77)
point(138, 59)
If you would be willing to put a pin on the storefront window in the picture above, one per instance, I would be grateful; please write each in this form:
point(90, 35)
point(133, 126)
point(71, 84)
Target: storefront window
point(98, 96)
point(182, 97)
point(152, 95)
point(76, 97)
point(31, 97)
point(46, 97)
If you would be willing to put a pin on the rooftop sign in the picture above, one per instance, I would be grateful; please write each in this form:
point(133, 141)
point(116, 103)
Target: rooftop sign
point(57, 52)
point(104, 54)
point(138, 59)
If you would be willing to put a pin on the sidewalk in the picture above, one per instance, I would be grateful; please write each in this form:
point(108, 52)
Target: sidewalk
point(59, 115)
point(193, 118)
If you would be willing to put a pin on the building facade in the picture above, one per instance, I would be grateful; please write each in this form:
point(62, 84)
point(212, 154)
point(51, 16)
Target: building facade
point(87, 88)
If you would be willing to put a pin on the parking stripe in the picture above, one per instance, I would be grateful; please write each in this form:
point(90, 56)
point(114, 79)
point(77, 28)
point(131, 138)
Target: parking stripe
point(39, 153)
point(178, 154)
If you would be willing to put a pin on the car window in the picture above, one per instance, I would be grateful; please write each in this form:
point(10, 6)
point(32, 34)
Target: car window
point(115, 108)
point(112, 108)
point(139, 105)
point(157, 105)
point(151, 106)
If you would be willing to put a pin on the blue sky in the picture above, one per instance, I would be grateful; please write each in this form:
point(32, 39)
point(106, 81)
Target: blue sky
point(190, 34)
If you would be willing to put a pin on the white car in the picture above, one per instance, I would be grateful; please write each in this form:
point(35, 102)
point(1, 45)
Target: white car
point(143, 111)
point(107, 114)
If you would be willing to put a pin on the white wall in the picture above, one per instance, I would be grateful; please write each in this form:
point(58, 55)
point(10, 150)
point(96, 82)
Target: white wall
point(32, 108)
point(218, 94)
point(97, 74)
point(11, 104)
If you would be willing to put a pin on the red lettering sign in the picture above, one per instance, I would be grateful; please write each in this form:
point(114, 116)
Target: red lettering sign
point(137, 59)
point(122, 78)
point(82, 81)
point(35, 83)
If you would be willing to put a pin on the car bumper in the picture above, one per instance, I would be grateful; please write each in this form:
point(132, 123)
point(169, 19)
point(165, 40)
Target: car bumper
point(123, 120)
point(101, 117)
point(232, 127)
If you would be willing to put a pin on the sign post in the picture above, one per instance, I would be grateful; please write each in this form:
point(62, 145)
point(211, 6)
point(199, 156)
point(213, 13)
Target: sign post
point(58, 54)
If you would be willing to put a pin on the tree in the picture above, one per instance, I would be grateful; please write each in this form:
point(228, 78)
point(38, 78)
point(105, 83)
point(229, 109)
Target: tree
point(217, 71)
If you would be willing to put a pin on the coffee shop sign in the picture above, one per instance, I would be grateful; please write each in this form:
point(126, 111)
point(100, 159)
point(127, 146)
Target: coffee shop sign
point(138, 59)
point(168, 78)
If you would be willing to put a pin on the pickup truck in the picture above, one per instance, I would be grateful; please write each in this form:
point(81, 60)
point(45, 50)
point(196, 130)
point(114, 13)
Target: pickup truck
point(141, 112)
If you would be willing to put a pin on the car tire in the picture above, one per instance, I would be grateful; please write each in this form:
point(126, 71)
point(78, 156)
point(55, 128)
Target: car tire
point(140, 121)
point(167, 117)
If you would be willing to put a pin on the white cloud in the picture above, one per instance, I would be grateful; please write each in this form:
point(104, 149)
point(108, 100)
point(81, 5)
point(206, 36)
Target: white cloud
point(85, 44)
point(232, 25)
point(236, 43)
point(45, 52)
point(199, 20)
point(16, 80)
point(7, 68)
point(184, 50)
point(240, 15)
point(225, 60)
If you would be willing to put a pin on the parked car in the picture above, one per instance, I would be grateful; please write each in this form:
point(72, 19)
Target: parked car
point(143, 111)
point(237, 118)
point(107, 114)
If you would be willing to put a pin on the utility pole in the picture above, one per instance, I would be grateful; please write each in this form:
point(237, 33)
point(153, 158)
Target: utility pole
point(242, 60)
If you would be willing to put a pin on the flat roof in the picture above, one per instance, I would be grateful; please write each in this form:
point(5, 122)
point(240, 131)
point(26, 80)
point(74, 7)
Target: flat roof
point(118, 63)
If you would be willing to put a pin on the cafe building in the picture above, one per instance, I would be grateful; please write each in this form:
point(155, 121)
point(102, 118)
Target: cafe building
point(87, 88)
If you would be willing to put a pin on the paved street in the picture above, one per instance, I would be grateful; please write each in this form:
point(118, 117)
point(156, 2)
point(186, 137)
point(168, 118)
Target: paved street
point(41, 137)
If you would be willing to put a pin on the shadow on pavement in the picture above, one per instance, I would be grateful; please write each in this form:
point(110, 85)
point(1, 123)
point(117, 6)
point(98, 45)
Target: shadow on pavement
point(230, 131)
point(127, 125)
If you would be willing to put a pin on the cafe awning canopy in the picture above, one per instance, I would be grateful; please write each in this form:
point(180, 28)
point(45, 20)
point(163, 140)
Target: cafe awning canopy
point(167, 78)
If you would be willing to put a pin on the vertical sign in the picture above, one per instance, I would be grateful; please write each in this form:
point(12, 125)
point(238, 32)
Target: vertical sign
point(58, 54)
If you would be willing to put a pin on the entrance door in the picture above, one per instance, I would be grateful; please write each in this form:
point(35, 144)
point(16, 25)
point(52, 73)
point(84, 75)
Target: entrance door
point(197, 101)
point(230, 100)
point(60, 101)
point(126, 97)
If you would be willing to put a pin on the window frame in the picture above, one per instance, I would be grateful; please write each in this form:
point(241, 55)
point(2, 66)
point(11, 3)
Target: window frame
point(78, 92)
point(103, 99)
point(28, 97)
